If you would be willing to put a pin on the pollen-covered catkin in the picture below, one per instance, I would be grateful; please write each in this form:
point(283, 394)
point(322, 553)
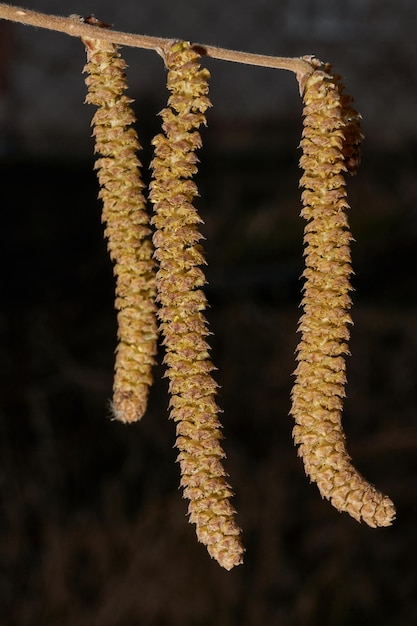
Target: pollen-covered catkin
point(127, 228)
point(182, 302)
point(330, 142)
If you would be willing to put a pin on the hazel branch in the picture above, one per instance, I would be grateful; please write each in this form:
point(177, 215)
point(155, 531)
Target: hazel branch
point(75, 27)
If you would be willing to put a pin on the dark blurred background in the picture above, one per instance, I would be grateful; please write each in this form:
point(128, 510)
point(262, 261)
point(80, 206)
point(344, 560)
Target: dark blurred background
point(93, 529)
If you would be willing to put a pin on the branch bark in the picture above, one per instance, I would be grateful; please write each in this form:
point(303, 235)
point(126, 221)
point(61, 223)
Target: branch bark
point(76, 27)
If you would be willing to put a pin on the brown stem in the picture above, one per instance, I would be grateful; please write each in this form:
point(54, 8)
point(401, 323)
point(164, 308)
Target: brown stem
point(75, 27)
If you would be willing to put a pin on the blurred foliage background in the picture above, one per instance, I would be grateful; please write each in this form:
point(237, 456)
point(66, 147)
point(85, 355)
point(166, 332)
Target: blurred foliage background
point(93, 529)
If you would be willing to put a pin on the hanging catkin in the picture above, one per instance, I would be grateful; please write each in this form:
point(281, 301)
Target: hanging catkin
point(330, 146)
point(127, 227)
point(182, 302)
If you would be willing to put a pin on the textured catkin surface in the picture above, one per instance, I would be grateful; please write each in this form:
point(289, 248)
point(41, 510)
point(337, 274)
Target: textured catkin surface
point(182, 302)
point(330, 148)
point(127, 228)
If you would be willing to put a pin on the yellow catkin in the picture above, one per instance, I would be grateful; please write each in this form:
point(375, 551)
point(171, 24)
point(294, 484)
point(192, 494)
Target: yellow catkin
point(127, 228)
point(330, 146)
point(182, 302)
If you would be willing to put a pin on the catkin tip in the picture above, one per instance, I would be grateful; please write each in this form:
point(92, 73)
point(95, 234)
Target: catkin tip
point(230, 556)
point(126, 407)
